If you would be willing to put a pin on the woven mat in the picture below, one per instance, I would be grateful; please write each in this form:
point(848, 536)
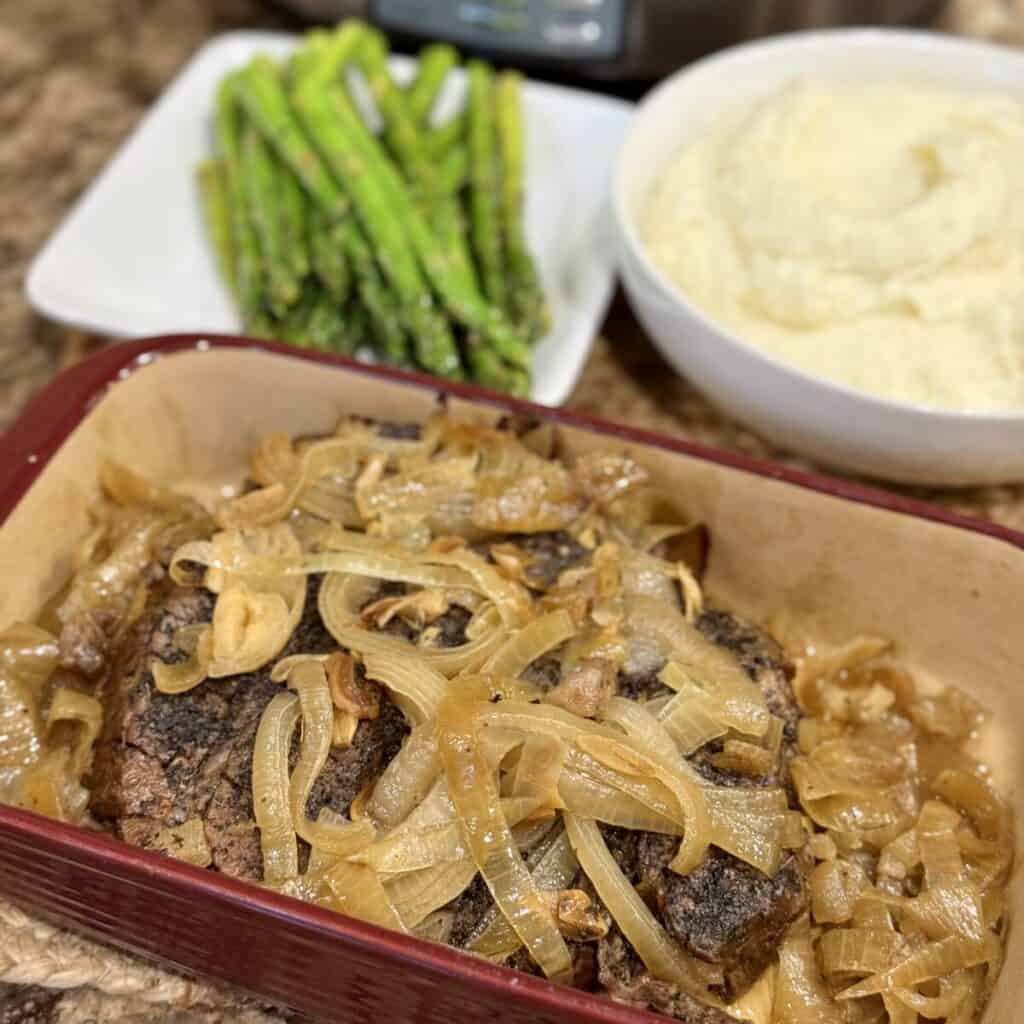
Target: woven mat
point(74, 80)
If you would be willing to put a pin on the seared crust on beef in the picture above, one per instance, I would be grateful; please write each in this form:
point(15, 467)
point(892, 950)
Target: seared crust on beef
point(162, 760)
point(724, 911)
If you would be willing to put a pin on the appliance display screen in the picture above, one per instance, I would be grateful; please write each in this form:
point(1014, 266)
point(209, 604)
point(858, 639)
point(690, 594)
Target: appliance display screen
point(550, 29)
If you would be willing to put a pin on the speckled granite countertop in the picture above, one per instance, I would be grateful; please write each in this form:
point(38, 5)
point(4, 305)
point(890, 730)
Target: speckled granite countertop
point(74, 79)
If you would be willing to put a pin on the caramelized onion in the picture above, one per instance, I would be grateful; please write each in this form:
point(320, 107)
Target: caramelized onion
point(623, 802)
point(529, 643)
point(537, 774)
point(270, 788)
point(846, 951)
point(636, 721)
point(415, 687)
point(801, 995)
point(28, 656)
point(819, 668)
point(71, 706)
point(407, 779)
point(661, 956)
point(711, 667)
point(475, 796)
point(933, 960)
point(359, 893)
point(835, 888)
point(748, 823)
point(555, 869)
point(310, 683)
point(685, 785)
point(953, 993)
point(692, 718)
point(419, 893)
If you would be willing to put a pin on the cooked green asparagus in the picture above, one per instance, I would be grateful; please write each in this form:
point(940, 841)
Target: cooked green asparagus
point(400, 130)
point(322, 64)
point(325, 326)
point(383, 317)
point(329, 260)
point(435, 347)
point(438, 140)
point(485, 196)
point(462, 301)
point(525, 301)
point(293, 218)
point(435, 63)
point(453, 170)
point(248, 264)
point(412, 240)
point(262, 94)
point(261, 180)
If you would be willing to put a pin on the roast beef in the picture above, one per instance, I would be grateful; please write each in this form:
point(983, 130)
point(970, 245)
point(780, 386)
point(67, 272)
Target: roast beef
point(162, 760)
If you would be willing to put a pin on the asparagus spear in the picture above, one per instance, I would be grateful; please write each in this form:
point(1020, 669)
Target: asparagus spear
point(325, 60)
point(355, 329)
point(489, 370)
point(325, 327)
point(248, 263)
point(307, 55)
point(453, 170)
point(485, 193)
point(382, 314)
point(293, 218)
point(438, 140)
point(329, 260)
point(213, 190)
point(435, 63)
point(261, 93)
point(261, 181)
point(449, 227)
point(341, 128)
point(261, 325)
point(400, 130)
point(526, 303)
point(379, 218)
point(294, 327)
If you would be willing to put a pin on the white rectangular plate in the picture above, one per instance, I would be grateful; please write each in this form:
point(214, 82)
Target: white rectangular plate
point(132, 258)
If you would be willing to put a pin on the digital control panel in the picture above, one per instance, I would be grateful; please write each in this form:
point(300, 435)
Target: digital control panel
point(548, 29)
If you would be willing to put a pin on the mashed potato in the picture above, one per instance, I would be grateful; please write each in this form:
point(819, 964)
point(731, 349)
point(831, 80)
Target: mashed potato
point(872, 233)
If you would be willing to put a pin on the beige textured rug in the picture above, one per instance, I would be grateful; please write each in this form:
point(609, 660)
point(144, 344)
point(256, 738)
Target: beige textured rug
point(74, 79)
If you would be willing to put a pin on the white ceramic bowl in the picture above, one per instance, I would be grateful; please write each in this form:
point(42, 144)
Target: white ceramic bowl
point(829, 422)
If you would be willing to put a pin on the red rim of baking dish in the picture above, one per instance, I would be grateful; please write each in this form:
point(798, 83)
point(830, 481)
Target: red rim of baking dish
point(43, 426)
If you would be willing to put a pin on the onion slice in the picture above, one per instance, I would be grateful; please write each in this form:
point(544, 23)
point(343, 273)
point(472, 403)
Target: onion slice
point(72, 706)
point(661, 956)
point(359, 893)
point(475, 796)
point(714, 669)
point(270, 788)
point(415, 687)
point(309, 680)
point(555, 869)
point(529, 643)
point(407, 779)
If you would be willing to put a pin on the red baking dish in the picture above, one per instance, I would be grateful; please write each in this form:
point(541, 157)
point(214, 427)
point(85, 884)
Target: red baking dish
point(794, 551)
